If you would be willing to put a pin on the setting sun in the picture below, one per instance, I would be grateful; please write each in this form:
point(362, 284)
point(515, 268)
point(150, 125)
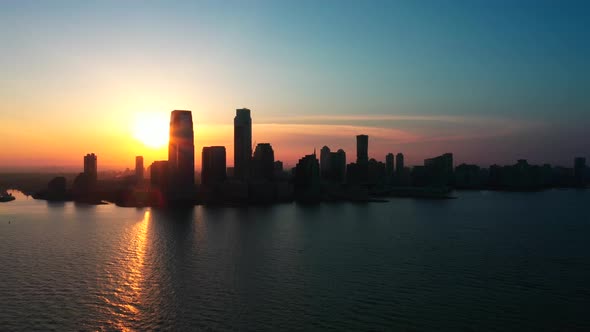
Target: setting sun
point(151, 129)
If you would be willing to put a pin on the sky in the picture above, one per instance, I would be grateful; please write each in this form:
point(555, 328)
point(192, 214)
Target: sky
point(490, 81)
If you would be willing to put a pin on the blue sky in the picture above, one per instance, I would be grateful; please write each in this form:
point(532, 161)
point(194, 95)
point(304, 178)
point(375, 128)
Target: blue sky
point(523, 63)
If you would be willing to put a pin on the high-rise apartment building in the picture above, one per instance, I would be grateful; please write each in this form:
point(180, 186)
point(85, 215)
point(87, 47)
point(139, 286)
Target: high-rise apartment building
point(90, 167)
point(139, 168)
point(242, 144)
point(181, 151)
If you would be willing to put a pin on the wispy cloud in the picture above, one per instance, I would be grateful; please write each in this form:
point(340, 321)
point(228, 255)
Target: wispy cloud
point(361, 118)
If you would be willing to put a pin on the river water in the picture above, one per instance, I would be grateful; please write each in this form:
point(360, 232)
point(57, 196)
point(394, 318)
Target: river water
point(487, 261)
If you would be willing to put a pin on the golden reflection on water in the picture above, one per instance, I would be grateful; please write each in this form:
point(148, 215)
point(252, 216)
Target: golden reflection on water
point(124, 303)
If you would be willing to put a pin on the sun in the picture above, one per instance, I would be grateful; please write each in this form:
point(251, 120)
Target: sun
point(151, 129)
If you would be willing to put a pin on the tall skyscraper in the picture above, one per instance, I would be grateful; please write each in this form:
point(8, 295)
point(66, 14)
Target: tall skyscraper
point(90, 167)
point(242, 144)
point(399, 163)
point(213, 169)
point(389, 161)
point(263, 162)
point(362, 149)
point(362, 157)
point(324, 162)
point(139, 168)
point(337, 163)
point(181, 151)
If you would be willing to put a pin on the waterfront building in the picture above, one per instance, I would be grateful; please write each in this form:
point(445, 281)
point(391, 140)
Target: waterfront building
point(181, 152)
point(213, 166)
point(242, 144)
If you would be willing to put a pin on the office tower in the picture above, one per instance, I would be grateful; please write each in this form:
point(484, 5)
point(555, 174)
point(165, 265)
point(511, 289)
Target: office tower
point(242, 144)
point(439, 170)
point(389, 161)
point(362, 157)
point(90, 167)
point(324, 162)
point(338, 162)
point(362, 149)
point(139, 168)
point(336, 166)
point(263, 162)
point(376, 171)
point(580, 171)
point(181, 152)
point(307, 179)
point(213, 169)
point(278, 167)
point(159, 174)
point(399, 163)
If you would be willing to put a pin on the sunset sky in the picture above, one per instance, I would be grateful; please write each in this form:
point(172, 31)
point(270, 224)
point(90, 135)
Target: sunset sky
point(490, 81)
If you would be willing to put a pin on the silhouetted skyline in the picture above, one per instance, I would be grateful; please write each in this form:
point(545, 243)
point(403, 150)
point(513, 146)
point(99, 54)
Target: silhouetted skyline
point(260, 179)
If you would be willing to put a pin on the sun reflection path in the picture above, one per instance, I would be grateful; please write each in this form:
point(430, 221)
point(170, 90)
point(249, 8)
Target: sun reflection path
point(125, 303)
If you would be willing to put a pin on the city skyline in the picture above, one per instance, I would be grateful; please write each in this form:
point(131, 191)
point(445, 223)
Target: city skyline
point(491, 82)
point(352, 147)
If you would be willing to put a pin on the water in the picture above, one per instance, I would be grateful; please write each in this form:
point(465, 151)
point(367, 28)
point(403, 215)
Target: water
point(486, 261)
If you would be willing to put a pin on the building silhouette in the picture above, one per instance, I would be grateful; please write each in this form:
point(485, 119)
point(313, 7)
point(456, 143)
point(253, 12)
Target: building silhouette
point(399, 163)
point(213, 169)
point(139, 168)
point(376, 172)
point(438, 171)
point(181, 152)
point(337, 166)
point(159, 175)
point(85, 183)
point(278, 166)
point(307, 179)
point(242, 144)
point(362, 149)
point(469, 176)
point(362, 157)
point(90, 167)
point(389, 164)
point(263, 162)
point(332, 165)
point(325, 162)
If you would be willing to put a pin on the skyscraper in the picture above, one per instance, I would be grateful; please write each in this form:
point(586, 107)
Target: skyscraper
point(307, 179)
point(362, 157)
point(338, 165)
point(90, 167)
point(399, 163)
point(324, 162)
point(139, 168)
point(242, 143)
point(263, 162)
point(181, 152)
point(213, 170)
point(362, 149)
point(389, 161)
